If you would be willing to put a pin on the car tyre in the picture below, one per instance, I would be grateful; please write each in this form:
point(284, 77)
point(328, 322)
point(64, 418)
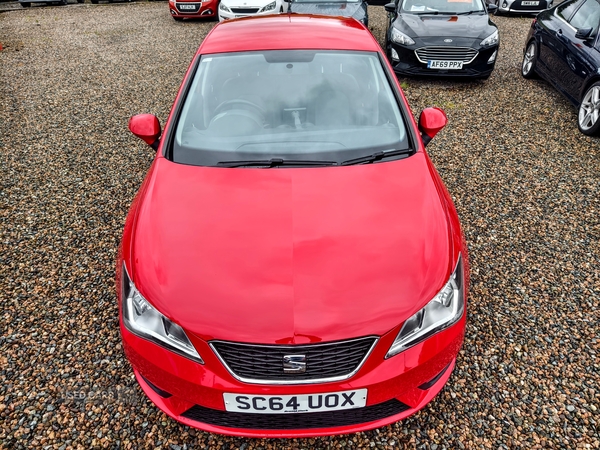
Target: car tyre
point(178, 19)
point(588, 116)
point(25, 4)
point(95, 2)
point(529, 61)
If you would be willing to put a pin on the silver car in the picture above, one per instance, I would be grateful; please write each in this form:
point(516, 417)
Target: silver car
point(521, 6)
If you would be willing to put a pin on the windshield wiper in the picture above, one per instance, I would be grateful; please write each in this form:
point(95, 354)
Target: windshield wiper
point(376, 157)
point(275, 162)
point(466, 13)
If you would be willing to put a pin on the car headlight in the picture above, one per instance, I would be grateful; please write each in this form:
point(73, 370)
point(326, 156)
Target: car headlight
point(492, 39)
point(444, 310)
point(269, 7)
point(143, 320)
point(224, 8)
point(400, 38)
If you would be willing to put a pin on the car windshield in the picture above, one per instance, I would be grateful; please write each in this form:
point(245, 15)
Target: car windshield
point(442, 6)
point(294, 105)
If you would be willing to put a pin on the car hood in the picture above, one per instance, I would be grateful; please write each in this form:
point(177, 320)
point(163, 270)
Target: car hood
point(433, 29)
point(344, 9)
point(291, 255)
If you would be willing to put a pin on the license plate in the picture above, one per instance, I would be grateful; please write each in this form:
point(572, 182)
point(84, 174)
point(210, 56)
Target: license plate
point(187, 6)
point(528, 3)
point(449, 65)
point(237, 16)
point(302, 403)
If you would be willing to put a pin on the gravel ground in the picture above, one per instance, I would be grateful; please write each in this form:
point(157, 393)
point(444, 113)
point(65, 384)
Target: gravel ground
point(526, 184)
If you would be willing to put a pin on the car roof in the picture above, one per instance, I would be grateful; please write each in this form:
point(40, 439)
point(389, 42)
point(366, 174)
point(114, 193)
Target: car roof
point(288, 31)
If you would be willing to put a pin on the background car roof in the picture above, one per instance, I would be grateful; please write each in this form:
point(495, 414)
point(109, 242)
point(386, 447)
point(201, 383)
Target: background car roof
point(288, 31)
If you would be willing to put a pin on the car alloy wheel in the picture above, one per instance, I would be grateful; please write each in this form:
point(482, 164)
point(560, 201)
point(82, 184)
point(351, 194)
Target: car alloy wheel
point(589, 111)
point(529, 60)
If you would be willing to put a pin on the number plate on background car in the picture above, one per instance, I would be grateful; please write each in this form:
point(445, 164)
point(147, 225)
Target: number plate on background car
point(525, 3)
point(187, 6)
point(303, 403)
point(449, 65)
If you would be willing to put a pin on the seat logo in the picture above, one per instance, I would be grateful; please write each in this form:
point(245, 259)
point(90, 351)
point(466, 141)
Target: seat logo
point(294, 363)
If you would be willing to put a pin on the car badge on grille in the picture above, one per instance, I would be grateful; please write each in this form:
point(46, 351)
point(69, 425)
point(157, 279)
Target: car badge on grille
point(294, 363)
point(448, 40)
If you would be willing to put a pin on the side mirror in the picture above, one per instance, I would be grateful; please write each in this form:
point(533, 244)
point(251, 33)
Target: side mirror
point(390, 7)
point(147, 128)
point(583, 33)
point(492, 8)
point(431, 121)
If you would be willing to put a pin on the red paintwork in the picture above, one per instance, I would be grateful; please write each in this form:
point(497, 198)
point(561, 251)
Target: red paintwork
point(293, 31)
point(432, 120)
point(211, 4)
point(146, 127)
point(292, 256)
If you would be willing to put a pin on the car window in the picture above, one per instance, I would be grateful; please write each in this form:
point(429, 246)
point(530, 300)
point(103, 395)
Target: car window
point(300, 104)
point(588, 16)
point(441, 6)
point(565, 10)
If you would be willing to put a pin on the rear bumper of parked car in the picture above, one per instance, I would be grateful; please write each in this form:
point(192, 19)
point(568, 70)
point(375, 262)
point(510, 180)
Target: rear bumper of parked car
point(192, 393)
point(408, 64)
point(193, 9)
point(517, 7)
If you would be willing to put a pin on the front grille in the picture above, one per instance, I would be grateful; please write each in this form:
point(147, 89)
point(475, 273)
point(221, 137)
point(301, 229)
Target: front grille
point(264, 363)
point(188, 7)
point(464, 54)
point(517, 6)
point(299, 421)
point(244, 10)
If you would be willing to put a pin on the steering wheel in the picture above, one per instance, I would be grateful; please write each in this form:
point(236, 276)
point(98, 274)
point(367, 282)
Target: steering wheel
point(239, 103)
point(237, 117)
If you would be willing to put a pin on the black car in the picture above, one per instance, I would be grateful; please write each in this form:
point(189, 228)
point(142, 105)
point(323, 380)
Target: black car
point(442, 38)
point(344, 8)
point(564, 48)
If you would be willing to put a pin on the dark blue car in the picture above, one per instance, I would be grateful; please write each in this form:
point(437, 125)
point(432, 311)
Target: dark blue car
point(563, 47)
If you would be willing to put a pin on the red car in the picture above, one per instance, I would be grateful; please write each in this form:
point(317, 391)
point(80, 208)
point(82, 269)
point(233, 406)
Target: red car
point(193, 9)
point(293, 264)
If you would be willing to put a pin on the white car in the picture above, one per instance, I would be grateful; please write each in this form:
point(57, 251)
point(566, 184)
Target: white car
point(520, 6)
point(232, 9)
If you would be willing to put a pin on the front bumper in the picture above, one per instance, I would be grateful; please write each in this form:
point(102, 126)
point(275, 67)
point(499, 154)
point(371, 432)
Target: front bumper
point(192, 393)
point(239, 12)
point(408, 64)
point(194, 9)
point(517, 7)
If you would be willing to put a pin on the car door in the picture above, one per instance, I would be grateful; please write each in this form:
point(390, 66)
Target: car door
point(578, 52)
point(553, 24)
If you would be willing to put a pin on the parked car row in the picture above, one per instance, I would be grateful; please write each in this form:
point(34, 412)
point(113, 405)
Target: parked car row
point(235, 9)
